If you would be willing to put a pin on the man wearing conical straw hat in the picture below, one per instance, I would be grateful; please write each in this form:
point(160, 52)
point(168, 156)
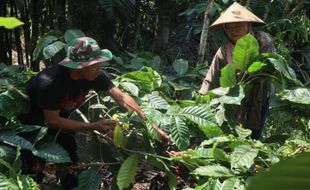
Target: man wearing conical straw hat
point(237, 21)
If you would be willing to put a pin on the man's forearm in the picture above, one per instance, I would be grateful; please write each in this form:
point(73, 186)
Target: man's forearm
point(126, 101)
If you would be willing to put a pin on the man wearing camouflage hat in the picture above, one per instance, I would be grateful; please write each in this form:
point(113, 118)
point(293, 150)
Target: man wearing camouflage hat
point(58, 90)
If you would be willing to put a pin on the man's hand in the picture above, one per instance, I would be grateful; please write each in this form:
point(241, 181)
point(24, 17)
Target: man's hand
point(131, 105)
point(126, 101)
point(105, 125)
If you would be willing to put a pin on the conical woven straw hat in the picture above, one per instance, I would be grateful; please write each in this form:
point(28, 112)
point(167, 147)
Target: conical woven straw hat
point(236, 13)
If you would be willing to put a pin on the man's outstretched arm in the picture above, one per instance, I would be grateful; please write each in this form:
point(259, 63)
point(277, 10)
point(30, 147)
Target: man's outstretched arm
point(130, 104)
point(53, 119)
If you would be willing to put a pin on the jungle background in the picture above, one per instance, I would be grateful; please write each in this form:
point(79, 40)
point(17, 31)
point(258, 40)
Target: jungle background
point(162, 50)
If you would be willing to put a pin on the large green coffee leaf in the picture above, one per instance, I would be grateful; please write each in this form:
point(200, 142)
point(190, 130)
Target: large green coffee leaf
point(156, 101)
point(16, 140)
point(179, 133)
point(232, 184)
point(127, 172)
point(289, 174)
point(145, 59)
point(298, 95)
point(43, 42)
point(90, 179)
point(7, 183)
point(243, 156)
point(130, 87)
point(281, 65)
point(10, 22)
point(180, 66)
point(213, 171)
point(242, 132)
point(12, 99)
point(53, 153)
point(29, 183)
point(52, 49)
point(245, 51)
point(72, 34)
point(228, 76)
point(41, 134)
point(7, 153)
point(200, 115)
point(234, 96)
point(147, 80)
point(214, 153)
point(211, 131)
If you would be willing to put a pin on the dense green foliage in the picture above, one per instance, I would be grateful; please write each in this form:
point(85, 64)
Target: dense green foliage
point(207, 149)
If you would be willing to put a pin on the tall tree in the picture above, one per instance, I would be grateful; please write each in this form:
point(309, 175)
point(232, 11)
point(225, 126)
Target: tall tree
point(204, 33)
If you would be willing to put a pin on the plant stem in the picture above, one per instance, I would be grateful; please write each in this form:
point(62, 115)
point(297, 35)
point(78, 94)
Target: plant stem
point(146, 153)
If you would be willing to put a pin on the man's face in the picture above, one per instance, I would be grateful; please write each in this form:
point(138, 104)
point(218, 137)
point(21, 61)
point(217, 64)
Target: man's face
point(91, 72)
point(236, 30)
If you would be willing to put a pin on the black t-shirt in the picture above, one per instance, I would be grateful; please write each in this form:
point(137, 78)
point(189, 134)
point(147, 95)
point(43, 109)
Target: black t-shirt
point(53, 89)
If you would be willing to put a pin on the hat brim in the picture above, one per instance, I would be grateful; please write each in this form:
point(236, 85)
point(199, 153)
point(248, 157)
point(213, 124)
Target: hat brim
point(105, 55)
point(221, 25)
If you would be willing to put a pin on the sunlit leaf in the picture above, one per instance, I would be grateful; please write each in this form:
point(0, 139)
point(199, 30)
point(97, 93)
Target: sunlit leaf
point(234, 96)
point(201, 115)
point(243, 133)
point(130, 87)
point(298, 95)
point(7, 183)
point(179, 133)
point(231, 184)
point(10, 22)
point(228, 76)
point(256, 66)
point(156, 101)
point(243, 156)
point(245, 51)
point(215, 140)
point(118, 137)
point(213, 171)
point(29, 183)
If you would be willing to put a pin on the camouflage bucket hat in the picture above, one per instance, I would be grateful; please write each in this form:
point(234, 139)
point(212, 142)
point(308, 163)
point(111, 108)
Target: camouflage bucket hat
point(83, 52)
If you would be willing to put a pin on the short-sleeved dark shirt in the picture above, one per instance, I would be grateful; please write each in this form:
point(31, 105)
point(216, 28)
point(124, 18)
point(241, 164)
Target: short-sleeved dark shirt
point(54, 89)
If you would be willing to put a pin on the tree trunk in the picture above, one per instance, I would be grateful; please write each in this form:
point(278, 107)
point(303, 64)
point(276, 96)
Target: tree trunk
point(36, 7)
point(3, 56)
point(17, 34)
point(162, 27)
point(204, 33)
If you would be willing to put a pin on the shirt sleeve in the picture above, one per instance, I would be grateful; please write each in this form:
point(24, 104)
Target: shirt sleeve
point(266, 43)
point(212, 79)
point(102, 83)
